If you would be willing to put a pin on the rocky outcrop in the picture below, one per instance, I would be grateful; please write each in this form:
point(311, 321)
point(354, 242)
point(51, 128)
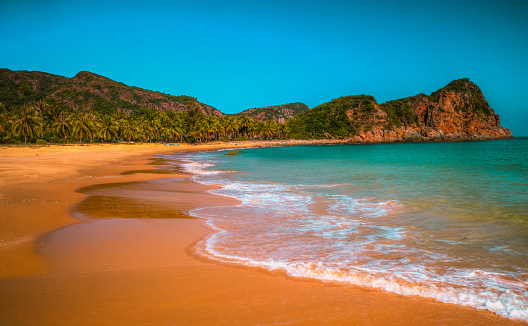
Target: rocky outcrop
point(458, 111)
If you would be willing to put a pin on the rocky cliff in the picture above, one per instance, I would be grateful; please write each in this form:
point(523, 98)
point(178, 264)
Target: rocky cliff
point(458, 111)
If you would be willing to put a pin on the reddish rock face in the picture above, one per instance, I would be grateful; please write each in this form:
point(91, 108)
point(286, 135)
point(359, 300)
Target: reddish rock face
point(458, 111)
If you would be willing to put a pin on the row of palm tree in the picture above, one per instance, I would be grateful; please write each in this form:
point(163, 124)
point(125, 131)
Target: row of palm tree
point(50, 123)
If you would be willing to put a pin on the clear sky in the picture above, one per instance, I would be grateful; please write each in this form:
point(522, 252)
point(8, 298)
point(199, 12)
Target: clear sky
point(236, 55)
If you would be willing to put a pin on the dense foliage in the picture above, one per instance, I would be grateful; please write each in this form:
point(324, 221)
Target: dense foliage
point(43, 123)
point(278, 112)
point(85, 91)
point(26, 87)
point(399, 112)
point(331, 120)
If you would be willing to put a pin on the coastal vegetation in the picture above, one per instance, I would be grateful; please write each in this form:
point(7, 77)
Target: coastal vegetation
point(43, 123)
point(399, 112)
point(37, 107)
point(278, 113)
point(330, 119)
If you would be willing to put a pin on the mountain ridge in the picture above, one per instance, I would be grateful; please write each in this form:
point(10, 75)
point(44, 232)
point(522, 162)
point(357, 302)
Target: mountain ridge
point(458, 111)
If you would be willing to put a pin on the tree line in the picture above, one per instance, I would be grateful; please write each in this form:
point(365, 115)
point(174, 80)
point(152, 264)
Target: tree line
point(43, 123)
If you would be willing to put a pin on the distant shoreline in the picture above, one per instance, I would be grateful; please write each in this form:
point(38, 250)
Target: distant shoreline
point(16, 150)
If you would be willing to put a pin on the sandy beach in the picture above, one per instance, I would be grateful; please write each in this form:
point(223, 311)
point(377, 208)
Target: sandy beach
point(66, 259)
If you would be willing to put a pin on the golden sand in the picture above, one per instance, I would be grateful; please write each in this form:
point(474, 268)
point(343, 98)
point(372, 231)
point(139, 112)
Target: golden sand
point(59, 270)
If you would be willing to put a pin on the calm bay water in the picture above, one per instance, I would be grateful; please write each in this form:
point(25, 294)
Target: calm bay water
point(447, 221)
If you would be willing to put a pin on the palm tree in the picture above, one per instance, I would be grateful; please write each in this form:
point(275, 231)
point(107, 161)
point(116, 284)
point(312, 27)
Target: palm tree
point(151, 124)
point(199, 129)
point(193, 113)
point(259, 129)
point(41, 106)
point(230, 127)
point(221, 125)
point(107, 128)
point(50, 116)
point(27, 123)
point(128, 129)
point(245, 125)
point(178, 122)
point(282, 130)
point(213, 127)
point(253, 129)
point(119, 118)
point(5, 125)
point(171, 125)
point(83, 126)
point(146, 128)
point(270, 129)
point(119, 115)
point(63, 125)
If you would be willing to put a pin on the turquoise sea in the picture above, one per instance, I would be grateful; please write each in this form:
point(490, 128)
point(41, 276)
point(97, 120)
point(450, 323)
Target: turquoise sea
point(447, 221)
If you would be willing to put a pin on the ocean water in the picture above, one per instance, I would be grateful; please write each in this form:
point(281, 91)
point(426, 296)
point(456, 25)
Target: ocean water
point(447, 221)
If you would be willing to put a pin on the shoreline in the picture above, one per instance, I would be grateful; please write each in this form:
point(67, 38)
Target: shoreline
point(56, 147)
point(45, 178)
point(133, 271)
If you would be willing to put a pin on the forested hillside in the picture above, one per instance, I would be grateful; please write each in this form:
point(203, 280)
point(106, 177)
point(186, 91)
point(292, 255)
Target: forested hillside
point(39, 108)
point(87, 91)
point(278, 113)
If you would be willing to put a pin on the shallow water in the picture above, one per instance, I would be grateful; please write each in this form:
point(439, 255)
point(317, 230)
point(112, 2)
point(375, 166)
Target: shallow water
point(447, 221)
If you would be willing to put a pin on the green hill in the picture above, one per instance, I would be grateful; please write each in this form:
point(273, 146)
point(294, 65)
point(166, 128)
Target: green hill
point(87, 91)
point(278, 113)
point(25, 87)
point(339, 118)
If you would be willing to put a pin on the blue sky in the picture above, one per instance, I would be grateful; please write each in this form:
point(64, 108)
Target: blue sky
point(236, 55)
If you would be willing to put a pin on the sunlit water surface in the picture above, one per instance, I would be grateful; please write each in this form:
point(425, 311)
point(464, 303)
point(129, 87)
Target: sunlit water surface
point(447, 221)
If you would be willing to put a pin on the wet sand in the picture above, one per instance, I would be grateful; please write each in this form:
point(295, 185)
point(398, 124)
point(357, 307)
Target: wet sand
point(114, 264)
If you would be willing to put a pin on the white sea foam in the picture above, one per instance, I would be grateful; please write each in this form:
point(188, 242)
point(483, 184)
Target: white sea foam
point(198, 168)
point(508, 304)
point(345, 240)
